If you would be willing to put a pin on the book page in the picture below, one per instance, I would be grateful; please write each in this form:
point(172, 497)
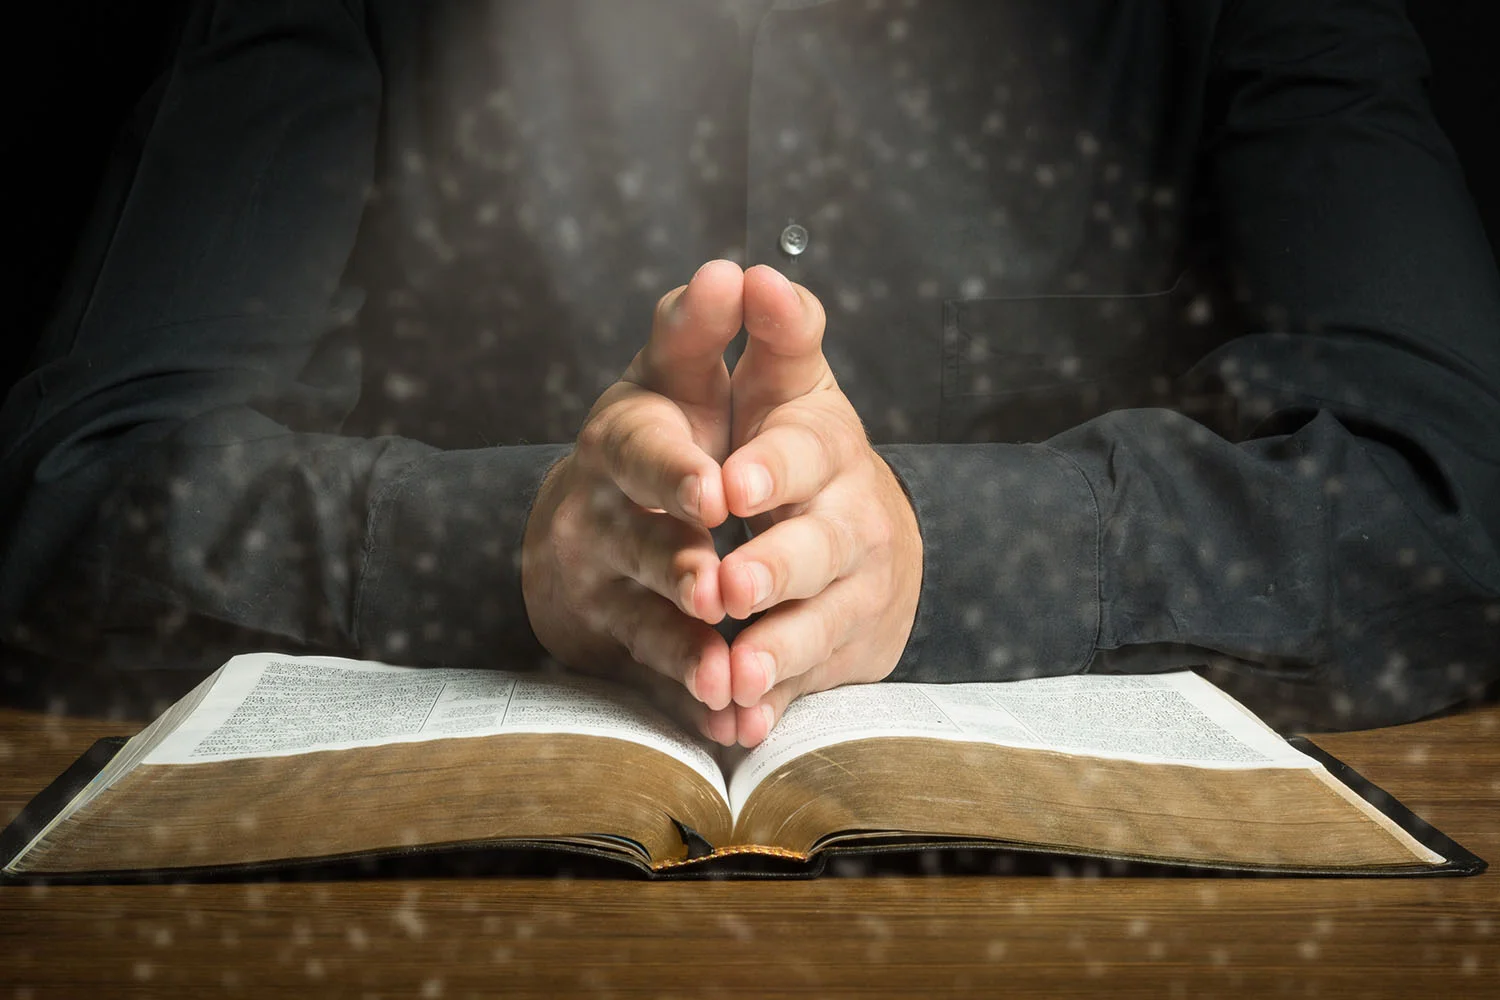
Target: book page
point(1162, 718)
point(271, 705)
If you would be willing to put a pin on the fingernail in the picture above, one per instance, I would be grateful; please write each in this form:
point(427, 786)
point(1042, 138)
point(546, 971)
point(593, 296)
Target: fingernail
point(690, 495)
point(769, 716)
point(690, 681)
point(757, 483)
point(760, 582)
point(768, 672)
point(688, 585)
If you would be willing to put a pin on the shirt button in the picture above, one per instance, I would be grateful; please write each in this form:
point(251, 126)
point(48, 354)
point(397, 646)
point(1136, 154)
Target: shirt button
point(793, 240)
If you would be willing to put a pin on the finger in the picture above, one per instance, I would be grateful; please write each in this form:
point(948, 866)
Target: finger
point(684, 357)
point(786, 462)
point(668, 557)
point(783, 358)
point(719, 726)
point(646, 449)
point(787, 641)
point(795, 559)
point(653, 633)
point(669, 697)
point(755, 722)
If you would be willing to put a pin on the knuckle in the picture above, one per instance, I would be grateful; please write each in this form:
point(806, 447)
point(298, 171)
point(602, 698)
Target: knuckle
point(581, 580)
point(631, 447)
point(678, 564)
point(841, 619)
point(786, 445)
point(638, 442)
point(630, 632)
point(595, 617)
point(582, 549)
point(778, 567)
point(621, 441)
point(670, 563)
point(605, 505)
point(783, 567)
point(683, 646)
point(831, 443)
point(879, 535)
point(593, 438)
point(830, 633)
point(839, 540)
point(620, 550)
point(612, 458)
point(820, 447)
point(788, 449)
point(569, 528)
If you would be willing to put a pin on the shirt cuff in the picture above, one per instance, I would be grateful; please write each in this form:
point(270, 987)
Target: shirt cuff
point(1010, 553)
point(442, 565)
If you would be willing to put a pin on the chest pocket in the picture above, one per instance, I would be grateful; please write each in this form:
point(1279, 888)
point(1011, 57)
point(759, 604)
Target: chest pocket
point(1024, 369)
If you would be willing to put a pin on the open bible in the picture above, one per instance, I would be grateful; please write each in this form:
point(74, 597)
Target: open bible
point(284, 760)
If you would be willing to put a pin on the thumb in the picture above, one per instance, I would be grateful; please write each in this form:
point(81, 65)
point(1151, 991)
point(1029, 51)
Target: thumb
point(684, 357)
point(783, 357)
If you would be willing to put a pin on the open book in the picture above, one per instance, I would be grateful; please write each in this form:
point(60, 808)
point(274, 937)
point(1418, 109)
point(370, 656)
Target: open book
point(277, 759)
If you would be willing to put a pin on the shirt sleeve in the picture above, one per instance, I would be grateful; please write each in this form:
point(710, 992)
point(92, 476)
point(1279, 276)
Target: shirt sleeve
point(1323, 536)
point(175, 486)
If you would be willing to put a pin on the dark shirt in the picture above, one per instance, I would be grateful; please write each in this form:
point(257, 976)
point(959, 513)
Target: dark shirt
point(1174, 319)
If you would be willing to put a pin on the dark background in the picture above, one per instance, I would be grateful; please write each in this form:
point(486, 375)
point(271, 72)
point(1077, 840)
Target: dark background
point(88, 60)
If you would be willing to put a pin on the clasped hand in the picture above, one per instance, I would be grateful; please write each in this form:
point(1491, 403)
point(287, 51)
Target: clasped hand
point(619, 569)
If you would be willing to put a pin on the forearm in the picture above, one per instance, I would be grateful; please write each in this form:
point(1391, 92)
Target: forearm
point(1308, 564)
point(151, 544)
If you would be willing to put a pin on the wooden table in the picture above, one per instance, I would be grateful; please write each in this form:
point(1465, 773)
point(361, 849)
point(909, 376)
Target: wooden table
point(965, 935)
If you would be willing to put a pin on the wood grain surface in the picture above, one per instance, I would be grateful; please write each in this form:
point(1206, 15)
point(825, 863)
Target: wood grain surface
point(890, 932)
